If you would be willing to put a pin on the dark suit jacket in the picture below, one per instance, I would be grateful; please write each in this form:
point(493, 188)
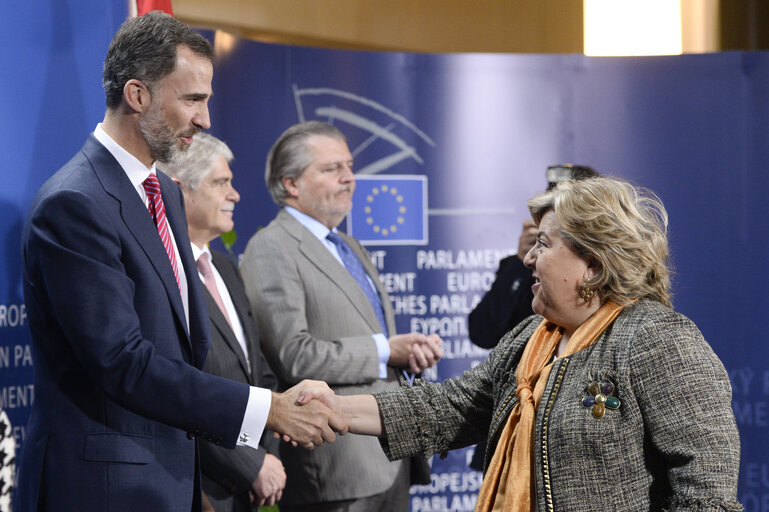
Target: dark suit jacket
point(117, 380)
point(507, 303)
point(228, 474)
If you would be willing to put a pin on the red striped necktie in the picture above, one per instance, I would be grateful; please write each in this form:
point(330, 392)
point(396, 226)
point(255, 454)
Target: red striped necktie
point(158, 211)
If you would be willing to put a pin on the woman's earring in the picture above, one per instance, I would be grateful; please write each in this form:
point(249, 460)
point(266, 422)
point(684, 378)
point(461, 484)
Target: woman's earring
point(586, 293)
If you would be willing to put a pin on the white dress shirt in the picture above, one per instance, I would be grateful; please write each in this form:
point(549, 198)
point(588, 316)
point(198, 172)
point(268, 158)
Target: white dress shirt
point(137, 173)
point(224, 293)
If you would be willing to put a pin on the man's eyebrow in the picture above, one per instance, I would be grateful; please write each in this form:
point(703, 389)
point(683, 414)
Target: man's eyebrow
point(197, 96)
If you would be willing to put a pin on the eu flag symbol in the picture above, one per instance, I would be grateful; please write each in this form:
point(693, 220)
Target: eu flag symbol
point(389, 210)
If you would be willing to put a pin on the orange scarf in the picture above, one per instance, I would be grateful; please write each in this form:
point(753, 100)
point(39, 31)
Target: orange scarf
point(508, 484)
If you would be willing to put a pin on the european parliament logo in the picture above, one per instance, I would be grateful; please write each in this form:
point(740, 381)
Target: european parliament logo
point(389, 210)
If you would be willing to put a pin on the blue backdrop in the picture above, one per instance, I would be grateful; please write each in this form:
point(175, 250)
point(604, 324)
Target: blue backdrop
point(477, 132)
point(50, 85)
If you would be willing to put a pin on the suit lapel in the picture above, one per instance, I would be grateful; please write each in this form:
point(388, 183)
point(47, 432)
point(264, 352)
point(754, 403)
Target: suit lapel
point(198, 326)
point(178, 222)
point(317, 254)
point(220, 323)
point(138, 220)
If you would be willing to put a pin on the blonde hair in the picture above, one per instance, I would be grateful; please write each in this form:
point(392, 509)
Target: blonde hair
point(622, 227)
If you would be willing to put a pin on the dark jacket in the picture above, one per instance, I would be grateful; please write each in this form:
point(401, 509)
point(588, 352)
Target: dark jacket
point(507, 303)
point(119, 395)
point(228, 474)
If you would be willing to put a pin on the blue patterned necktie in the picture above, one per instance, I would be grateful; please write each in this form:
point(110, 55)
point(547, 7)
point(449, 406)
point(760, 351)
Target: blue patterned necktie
point(355, 268)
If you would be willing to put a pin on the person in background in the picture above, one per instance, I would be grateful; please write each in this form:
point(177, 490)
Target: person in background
point(233, 480)
point(508, 301)
point(323, 314)
point(606, 399)
point(116, 311)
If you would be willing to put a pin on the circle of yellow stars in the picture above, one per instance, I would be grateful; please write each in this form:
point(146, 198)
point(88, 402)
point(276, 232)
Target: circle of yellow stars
point(384, 190)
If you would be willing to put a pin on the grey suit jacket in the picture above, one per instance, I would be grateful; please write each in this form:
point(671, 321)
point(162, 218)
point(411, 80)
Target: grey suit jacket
point(316, 323)
point(673, 442)
point(228, 474)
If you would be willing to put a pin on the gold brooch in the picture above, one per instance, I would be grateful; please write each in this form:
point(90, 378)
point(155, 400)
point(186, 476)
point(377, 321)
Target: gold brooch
point(601, 398)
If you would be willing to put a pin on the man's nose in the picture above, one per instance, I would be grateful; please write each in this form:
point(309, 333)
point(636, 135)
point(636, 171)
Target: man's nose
point(202, 119)
point(233, 195)
point(347, 174)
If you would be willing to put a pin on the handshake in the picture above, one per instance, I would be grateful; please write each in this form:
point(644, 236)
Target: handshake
point(310, 413)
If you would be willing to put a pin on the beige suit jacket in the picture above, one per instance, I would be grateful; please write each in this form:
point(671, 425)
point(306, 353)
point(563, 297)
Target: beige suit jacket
point(316, 323)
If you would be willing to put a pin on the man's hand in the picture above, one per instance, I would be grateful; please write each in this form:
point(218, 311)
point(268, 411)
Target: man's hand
point(361, 412)
point(415, 351)
point(324, 394)
point(426, 355)
point(310, 425)
point(528, 238)
point(268, 487)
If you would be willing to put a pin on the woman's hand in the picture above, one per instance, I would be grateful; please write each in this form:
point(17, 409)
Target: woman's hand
point(359, 412)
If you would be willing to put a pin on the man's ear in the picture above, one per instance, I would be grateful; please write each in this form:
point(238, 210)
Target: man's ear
point(289, 183)
point(137, 96)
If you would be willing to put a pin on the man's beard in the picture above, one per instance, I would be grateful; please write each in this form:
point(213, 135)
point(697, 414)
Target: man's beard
point(164, 145)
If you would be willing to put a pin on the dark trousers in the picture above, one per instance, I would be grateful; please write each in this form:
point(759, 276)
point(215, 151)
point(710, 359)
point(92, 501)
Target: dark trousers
point(394, 499)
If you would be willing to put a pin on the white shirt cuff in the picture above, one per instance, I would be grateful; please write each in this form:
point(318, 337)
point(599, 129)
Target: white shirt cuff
point(255, 418)
point(383, 349)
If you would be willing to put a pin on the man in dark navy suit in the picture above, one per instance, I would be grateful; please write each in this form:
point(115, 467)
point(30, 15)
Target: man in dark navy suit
point(233, 480)
point(117, 312)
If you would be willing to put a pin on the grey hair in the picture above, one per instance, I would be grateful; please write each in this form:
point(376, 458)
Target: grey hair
point(198, 160)
point(289, 156)
point(622, 227)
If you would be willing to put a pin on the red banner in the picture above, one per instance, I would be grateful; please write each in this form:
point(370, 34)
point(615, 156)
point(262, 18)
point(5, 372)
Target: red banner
point(145, 6)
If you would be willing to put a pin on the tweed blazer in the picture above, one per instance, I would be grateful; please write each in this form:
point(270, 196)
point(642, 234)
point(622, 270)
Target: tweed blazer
point(672, 444)
point(315, 322)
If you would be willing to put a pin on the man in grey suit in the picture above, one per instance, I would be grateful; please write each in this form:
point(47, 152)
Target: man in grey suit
point(323, 314)
point(233, 480)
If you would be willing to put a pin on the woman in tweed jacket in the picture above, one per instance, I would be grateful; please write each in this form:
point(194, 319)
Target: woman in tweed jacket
point(665, 437)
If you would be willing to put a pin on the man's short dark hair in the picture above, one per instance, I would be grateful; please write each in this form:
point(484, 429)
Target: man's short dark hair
point(144, 49)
